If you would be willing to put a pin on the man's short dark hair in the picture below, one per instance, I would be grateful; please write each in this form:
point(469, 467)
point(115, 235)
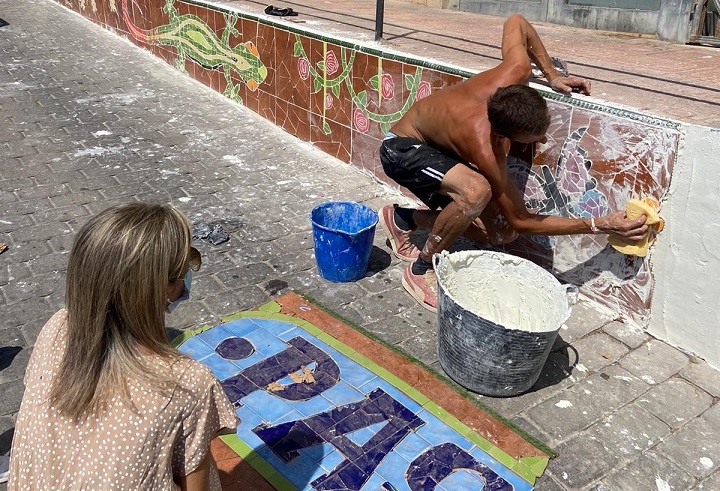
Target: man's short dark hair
point(518, 110)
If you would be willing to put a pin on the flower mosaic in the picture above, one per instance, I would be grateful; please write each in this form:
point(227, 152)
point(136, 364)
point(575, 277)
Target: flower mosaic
point(382, 83)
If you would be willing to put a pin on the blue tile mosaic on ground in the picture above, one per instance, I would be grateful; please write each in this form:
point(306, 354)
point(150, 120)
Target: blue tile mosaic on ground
point(349, 429)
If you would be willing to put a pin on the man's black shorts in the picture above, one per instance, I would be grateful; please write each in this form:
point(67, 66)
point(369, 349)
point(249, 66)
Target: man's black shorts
point(417, 166)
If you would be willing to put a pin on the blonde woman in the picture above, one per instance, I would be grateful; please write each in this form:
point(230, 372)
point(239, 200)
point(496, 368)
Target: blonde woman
point(108, 404)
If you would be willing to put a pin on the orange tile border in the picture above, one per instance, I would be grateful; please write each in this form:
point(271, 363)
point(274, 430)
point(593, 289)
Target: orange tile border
point(235, 473)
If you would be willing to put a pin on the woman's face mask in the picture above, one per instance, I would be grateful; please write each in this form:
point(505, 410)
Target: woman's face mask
point(186, 293)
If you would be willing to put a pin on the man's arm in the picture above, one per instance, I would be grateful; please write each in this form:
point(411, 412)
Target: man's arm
point(510, 201)
point(520, 44)
point(523, 222)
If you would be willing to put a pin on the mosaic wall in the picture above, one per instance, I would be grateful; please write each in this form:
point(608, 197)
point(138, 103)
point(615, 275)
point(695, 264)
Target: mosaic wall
point(343, 97)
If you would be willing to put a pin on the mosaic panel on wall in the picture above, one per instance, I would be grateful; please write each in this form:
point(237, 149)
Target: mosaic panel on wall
point(343, 98)
point(592, 165)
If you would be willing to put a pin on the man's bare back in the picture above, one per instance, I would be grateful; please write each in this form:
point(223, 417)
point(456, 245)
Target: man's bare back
point(453, 119)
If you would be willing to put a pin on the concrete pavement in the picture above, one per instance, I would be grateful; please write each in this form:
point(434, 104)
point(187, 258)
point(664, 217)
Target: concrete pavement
point(89, 120)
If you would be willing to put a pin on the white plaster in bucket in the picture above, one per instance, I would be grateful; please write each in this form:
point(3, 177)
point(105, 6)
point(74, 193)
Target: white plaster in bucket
point(506, 290)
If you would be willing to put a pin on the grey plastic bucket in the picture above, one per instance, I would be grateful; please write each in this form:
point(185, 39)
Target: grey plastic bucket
point(498, 317)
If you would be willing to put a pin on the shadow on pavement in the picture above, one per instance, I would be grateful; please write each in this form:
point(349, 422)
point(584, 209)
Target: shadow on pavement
point(379, 261)
point(6, 440)
point(7, 355)
point(557, 367)
point(172, 333)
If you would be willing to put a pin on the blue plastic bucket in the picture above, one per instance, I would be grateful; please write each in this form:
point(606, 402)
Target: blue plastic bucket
point(343, 233)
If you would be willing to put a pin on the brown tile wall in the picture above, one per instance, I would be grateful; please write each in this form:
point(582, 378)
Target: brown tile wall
point(343, 100)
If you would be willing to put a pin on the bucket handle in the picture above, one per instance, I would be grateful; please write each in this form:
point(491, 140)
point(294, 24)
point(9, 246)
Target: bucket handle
point(573, 293)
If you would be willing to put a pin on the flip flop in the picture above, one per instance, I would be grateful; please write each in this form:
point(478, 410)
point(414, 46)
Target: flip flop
point(270, 10)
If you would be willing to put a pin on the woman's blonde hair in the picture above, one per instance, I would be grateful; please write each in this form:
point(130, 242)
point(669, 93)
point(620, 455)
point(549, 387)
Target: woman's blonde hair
point(116, 294)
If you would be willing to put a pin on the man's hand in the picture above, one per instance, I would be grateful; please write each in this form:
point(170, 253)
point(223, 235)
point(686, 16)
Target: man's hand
point(629, 230)
point(570, 84)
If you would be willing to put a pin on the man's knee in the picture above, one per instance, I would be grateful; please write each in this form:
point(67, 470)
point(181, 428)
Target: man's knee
point(475, 195)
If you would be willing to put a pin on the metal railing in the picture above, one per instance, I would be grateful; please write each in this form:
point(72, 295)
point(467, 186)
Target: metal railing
point(379, 14)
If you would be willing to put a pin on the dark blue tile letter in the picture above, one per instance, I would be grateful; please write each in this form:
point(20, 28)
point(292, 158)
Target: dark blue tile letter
point(331, 427)
point(300, 353)
point(437, 463)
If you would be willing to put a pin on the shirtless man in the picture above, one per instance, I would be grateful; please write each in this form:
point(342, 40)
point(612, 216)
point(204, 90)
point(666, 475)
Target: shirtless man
point(450, 150)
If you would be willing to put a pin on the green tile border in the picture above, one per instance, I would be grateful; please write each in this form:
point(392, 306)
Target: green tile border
point(450, 70)
point(238, 446)
point(530, 473)
point(271, 311)
point(535, 464)
point(185, 335)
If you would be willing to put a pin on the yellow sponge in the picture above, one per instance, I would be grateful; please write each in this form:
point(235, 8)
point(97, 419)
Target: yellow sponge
point(635, 207)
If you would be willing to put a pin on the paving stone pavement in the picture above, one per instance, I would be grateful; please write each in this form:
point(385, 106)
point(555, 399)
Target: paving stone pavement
point(87, 120)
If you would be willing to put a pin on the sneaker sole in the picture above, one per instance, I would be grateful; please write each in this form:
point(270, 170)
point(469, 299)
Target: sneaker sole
point(393, 245)
point(418, 297)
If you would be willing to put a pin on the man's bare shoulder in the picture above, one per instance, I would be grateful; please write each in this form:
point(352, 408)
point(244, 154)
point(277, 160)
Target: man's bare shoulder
point(472, 139)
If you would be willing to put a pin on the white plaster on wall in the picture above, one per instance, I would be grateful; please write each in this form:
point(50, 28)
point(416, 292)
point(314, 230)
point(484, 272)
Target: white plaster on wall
point(686, 303)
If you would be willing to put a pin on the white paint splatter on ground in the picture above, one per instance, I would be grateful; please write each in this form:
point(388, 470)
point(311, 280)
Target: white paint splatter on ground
point(661, 484)
point(581, 367)
point(626, 379)
point(6, 88)
point(123, 99)
point(101, 133)
point(184, 199)
point(563, 404)
point(705, 462)
point(97, 151)
point(164, 173)
point(648, 379)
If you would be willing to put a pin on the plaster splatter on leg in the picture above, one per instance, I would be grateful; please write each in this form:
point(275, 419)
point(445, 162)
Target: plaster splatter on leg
point(501, 221)
point(430, 245)
point(502, 224)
